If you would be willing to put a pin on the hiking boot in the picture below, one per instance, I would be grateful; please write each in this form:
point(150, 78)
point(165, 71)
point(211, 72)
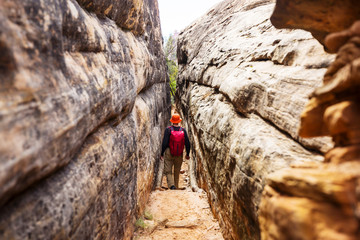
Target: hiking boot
point(172, 187)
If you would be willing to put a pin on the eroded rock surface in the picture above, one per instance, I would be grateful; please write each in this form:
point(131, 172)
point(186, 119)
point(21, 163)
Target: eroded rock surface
point(242, 87)
point(83, 103)
point(320, 17)
point(323, 202)
point(319, 202)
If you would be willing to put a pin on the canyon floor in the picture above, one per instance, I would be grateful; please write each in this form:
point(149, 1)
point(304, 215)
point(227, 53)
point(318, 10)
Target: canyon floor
point(178, 214)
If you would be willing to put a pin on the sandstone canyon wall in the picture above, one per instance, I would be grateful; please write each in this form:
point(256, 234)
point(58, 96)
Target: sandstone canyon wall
point(242, 86)
point(323, 201)
point(83, 103)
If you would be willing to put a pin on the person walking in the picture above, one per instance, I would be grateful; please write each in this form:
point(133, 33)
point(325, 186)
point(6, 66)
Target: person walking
point(175, 138)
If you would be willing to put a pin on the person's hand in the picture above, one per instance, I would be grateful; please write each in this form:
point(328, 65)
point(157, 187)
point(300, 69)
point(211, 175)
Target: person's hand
point(161, 158)
point(187, 157)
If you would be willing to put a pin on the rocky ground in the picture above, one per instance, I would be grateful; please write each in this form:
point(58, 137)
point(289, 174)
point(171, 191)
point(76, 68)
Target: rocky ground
point(178, 214)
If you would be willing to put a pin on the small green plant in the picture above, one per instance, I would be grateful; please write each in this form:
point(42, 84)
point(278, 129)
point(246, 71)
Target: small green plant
point(140, 223)
point(171, 62)
point(148, 215)
point(173, 72)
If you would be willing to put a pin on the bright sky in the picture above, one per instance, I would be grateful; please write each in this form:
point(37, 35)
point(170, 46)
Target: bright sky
point(175, 15)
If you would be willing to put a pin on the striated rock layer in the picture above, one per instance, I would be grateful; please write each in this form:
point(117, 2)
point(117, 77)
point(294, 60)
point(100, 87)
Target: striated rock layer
point(83, 103)
point(322, 202)
point(242, 86)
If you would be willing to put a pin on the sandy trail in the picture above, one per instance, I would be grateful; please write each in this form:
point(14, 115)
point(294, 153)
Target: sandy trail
point(179, 214)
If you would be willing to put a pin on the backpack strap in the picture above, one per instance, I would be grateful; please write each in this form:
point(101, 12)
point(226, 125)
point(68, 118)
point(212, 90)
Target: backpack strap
point(172, 128)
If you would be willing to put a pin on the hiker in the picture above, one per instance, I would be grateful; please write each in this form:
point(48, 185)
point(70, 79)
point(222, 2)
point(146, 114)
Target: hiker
point(175, 138)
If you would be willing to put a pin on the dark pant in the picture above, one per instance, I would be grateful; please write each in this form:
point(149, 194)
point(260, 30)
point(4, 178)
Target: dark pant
point(171, 161)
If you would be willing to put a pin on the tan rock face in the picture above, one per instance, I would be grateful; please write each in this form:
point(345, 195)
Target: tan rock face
point(128, 14)
point(242, 88)
point(315, 203)
point(320, 17)
point(83, 103)
point(331, 190)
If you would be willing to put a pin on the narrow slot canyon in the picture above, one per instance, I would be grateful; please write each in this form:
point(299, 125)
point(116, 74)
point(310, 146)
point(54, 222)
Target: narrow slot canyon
point(178, 214)
point(267, 90)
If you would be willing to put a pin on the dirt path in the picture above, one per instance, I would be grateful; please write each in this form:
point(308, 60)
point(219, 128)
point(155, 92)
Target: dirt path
point(178, 214)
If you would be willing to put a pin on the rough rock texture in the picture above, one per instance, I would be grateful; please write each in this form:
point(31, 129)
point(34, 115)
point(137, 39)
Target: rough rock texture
point(323, 202)
point(241, 89)
point(83, 103)
point(320, 17)
point(312, 203)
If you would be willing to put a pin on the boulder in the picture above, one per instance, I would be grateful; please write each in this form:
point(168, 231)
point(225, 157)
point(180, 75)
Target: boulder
point(84, 99)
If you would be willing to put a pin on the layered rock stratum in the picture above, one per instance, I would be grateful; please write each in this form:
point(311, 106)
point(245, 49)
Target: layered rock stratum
point(242, 86)
point(322, 201)
point(83, 104)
